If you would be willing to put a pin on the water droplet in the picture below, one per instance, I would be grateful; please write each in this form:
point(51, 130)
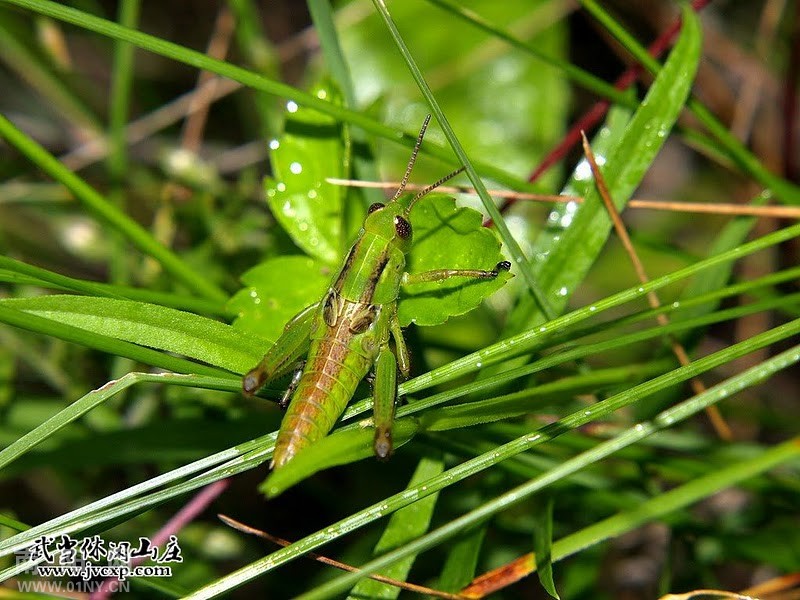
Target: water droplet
point(563, 291)
point(291, 106)
point(583, 171)
point(253, 294)
point(542, 329)
point(274, 144)
point(281, 187)
point(568, 215)
point(302, 226)
point(676, 305)
point(312, 194)
point(640, 290)
point(592, 308)
point(296, 168)
point(478, 365)
point(322, 94)
point(288, 209)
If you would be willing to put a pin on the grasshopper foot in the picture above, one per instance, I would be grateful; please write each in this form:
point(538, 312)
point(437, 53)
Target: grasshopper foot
point(383, 443)
point(503, 265)
point(252, 382)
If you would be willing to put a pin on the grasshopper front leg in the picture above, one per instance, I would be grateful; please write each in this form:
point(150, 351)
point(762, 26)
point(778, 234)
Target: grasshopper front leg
point(283, 354)
point(442, 274)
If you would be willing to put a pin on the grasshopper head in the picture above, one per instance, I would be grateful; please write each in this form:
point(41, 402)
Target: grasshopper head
point(390, 221)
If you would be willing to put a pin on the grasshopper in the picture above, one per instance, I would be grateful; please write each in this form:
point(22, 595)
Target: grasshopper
point(347, 333)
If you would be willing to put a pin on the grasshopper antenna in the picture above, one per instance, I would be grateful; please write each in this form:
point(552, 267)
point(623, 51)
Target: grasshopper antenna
point(434, 185)
point(412, 160)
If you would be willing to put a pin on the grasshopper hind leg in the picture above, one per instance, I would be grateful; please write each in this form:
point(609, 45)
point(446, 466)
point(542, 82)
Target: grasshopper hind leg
point(384, 397)
point(280, 358)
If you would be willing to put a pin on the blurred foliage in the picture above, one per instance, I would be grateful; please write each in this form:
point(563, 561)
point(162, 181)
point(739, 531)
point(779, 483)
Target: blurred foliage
point(163, 260)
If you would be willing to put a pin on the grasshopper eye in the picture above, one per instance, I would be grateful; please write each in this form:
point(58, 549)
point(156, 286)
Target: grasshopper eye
point(375, 206)
point(402, 227)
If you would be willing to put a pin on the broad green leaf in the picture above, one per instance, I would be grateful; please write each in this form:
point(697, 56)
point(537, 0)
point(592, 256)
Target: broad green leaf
point(153, 326)
point(448, 237)
point(405, 525)
point(445, 237)
point(338, 448)
point(312, 147)
point(278, 289)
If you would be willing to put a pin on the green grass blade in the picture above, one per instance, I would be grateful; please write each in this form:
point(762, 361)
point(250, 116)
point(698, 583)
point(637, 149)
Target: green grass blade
point(121, 85)
point(404, 525)
point(640, 431)
point(462, 561)
point(499, 454)
point(511, 244)
point(62, 281)
point(732, 146)
point(105, 343)
point(543, 545)
point(150, 325)
point(675, 499)
point(322, 15)
point(83, 405)
point(110, 214)
point(253, 80)
point(579, 76)
point(14, 271)
point(580, 241)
